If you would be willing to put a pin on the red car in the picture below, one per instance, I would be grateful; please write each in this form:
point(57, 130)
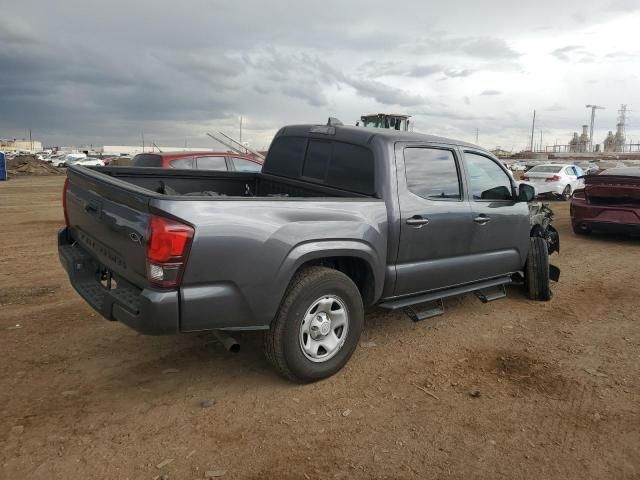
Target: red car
point(225, 161)
point(608, 202)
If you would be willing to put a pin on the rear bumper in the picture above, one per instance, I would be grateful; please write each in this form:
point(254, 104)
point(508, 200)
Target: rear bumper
point(550, 188)
point(151, 312)
point(614, 219)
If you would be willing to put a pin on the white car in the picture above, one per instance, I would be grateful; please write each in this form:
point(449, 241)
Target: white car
point(57, 160)
point(555, 179)
point(87, 162)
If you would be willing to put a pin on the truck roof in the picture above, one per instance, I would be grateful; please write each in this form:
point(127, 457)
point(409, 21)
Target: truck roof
point(363, 136)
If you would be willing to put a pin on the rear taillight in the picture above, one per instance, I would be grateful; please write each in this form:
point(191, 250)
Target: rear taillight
point(525, 178)
point(555, 178)
point(64, 201)
point(168, 244)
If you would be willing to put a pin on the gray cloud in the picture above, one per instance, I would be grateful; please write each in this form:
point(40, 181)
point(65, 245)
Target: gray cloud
point(491, 92)
point(89, 73)
point(565, 52)
point(573, 53)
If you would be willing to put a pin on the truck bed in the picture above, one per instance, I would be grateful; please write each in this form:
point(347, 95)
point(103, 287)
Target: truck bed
point(223, 184)
point(249, 239)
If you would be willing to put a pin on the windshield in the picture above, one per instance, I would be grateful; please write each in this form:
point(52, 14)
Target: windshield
point(545, 169)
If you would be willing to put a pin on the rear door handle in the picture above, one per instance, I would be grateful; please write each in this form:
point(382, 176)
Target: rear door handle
point(482, 219)
point(417, 221)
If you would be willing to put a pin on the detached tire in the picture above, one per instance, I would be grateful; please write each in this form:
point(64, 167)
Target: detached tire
point(317, 327)
point(537, 270)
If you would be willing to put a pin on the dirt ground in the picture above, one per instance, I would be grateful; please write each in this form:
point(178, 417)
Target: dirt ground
point(558, 382)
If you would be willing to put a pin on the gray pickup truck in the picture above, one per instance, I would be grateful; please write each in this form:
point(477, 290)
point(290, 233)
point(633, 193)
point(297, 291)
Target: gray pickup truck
point(339, 218)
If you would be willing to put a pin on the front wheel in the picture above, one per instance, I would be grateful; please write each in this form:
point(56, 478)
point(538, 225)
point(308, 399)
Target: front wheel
point(566, 193)
point(317, 327)
point(537, 270)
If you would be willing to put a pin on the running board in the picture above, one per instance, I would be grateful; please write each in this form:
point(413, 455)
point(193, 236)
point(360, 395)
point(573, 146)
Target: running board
point(422, 311)
point(452, 292)
point(490, 294)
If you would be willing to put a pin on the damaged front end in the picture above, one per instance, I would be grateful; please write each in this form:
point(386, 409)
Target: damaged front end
point(540, 218)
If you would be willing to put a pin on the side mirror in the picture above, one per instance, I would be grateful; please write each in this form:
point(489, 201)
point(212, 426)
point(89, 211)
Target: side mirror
point(526, 192)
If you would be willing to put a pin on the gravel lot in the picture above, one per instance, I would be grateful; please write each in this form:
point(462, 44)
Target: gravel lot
point(558, 382)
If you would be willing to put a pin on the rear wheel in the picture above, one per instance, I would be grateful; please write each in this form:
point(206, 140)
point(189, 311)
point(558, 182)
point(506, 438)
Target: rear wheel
point(566, 193)
point(537, 270)
point(317, 327)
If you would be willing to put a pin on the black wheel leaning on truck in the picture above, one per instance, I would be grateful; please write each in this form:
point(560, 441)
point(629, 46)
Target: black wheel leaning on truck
point(537, 270)
point(317, 327)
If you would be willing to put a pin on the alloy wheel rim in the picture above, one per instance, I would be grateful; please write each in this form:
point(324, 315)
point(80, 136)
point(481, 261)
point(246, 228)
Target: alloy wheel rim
point(324, 328)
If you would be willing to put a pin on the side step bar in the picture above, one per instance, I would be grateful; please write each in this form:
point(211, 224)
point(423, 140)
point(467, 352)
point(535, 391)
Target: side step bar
point(422, 311)
point(487, 286)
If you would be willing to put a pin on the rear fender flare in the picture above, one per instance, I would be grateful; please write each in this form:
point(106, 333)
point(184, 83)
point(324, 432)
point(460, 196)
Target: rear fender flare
point(317, 250)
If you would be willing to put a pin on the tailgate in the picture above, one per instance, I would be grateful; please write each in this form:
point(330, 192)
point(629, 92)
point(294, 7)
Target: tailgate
point(108, 218)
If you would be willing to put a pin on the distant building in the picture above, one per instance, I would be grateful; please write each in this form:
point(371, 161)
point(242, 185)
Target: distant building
point(20, 145)
point(580, 143)
point(615, 143)
point(500, 153)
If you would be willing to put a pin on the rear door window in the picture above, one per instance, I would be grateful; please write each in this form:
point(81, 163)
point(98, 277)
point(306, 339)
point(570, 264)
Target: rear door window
point(243, 165)
point(211, 163)
point(182, 163)
point(432, 173)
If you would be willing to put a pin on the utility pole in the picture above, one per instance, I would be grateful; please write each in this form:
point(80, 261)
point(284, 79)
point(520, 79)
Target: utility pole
point(30, 142)
point(476, 136)
point(142, 142)
point(533, 126)
point(593, 116)
point(240, 129)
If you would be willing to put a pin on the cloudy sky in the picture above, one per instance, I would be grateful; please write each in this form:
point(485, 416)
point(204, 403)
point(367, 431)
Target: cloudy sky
point(104, 72)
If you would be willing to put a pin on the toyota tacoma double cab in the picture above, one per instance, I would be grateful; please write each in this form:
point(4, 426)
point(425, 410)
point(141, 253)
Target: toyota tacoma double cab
point(338, 219)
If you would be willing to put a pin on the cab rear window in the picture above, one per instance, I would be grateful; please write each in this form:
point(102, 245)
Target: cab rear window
point(331, 163)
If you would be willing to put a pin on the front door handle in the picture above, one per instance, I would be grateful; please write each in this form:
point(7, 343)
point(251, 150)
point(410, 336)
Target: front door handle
point(482, 219)
point(417, 221)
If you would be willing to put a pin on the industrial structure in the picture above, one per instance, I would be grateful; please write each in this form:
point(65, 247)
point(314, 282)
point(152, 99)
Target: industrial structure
point(580, 144)
point(615, 143)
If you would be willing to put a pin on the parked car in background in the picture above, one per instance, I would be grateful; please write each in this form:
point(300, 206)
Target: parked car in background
point(86, 162)
point(57, 159)
point(588, 168)
point(554, 179)
point(68, 159)
point(607, 164)
point(609, 202)
point(221, 161)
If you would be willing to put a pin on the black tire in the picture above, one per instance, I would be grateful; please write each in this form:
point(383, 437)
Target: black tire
point(282, 341)
point(537, 270)
point(566, 193)
point(580, 231)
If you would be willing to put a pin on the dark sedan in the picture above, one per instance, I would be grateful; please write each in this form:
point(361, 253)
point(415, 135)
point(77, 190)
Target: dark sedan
point(609, 202)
